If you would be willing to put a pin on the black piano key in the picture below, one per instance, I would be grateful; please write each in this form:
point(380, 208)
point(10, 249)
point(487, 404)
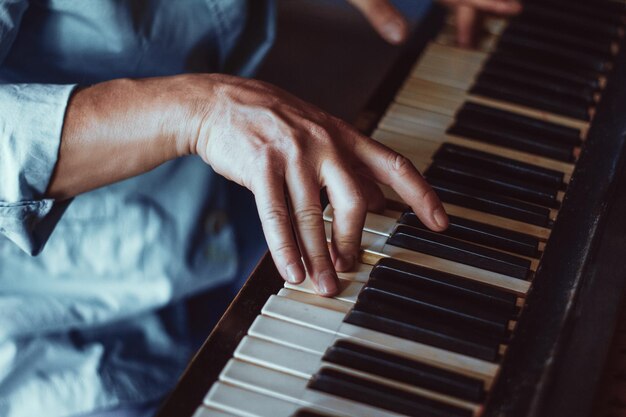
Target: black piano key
point(552, 132)
point(507, 90)
point(533, 173)
point(437, 334)
point(460, 173)
point(550, 16)
point(310, 413)
point(358, 389)
point(483, 130)
point(483, 234)
point(431, 280)
point(570, 22)
point(550, 34)
point(552, 69)
point(437, 327)
point(490, 203)
point(533, 128)
point(408, 371)
point(566, 88)
point(435, 244)
point(569, 56)
point(452, 309)
point(609, 11)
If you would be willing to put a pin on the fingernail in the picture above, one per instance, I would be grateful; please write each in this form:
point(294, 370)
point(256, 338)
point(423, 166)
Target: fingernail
point(327, 283)
point(393, 31)
point(295, 275)
point(441, 218)
point(344, 263)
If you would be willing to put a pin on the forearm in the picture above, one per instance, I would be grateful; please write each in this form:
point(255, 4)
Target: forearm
point(121, 128)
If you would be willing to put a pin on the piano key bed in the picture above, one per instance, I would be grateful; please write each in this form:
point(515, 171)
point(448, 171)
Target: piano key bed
point(423, 325)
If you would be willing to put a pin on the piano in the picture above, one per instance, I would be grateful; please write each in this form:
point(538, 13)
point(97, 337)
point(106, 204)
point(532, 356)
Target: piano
point(515, 309)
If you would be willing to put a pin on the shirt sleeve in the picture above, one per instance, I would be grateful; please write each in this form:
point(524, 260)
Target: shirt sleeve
point(31, 122)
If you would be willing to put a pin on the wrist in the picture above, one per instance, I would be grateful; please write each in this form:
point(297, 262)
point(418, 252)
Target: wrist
point(191, 106)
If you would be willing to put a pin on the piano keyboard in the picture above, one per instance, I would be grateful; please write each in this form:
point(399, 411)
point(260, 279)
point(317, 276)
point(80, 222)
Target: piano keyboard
point(422, 324)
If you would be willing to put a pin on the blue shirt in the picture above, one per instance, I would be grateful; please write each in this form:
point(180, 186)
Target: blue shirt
point(107, 259)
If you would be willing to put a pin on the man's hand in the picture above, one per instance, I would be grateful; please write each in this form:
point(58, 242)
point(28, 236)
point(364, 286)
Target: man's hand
point(285, 150)
point(392, 26)
point(281, 148)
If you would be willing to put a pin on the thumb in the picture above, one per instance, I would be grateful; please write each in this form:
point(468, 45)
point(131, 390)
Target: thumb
point(384, 18)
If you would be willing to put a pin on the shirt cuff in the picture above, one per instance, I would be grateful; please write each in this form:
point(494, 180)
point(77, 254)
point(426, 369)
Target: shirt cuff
point(31, 123)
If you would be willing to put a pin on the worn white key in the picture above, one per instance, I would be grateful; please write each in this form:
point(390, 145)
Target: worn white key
point(291, 334)
point(324, 302)
point(454, 53)
point(374, 248)
point(247, 403)
point(331, 322)
point(446, 88)
point(426, 125)
point(349, 290)
point(306, 339)
point(204, 411)
point(304, 365)
point(291, 388)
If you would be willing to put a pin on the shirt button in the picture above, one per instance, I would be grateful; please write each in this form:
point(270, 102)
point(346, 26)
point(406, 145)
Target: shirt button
point(215, 221)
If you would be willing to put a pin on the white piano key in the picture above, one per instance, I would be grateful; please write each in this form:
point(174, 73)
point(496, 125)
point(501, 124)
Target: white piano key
point(304, 365)
point(278, 357)
point(331, 322)
point(204, 411)
point(349, 290)
point(443, 73)
point(300, 294)
point(291, 388)
point(246, 403)
point(425, 124)
point(291, 334)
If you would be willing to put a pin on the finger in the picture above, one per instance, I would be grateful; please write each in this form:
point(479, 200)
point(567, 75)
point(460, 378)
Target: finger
point(373, 195)
point(391, 168)
point(384, 18)
point(274, 214)
point(499, 7)
point(349, 210)
point(465, 17)
point(304, 189)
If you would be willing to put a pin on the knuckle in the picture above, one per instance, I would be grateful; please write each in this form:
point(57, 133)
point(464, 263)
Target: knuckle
point(319, 132)
point(276, 216)
point(308, 216)
point(263, 159)
point(284, 251)
point(319, 260)
point(348, 241)
point(399, 165)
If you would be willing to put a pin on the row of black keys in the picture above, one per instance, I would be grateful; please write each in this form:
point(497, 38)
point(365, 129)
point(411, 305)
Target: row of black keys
point(550, 57)
point(464, 241)
point(358, 389)
point(435, 308)
point(496, 185)
point(419, 292)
